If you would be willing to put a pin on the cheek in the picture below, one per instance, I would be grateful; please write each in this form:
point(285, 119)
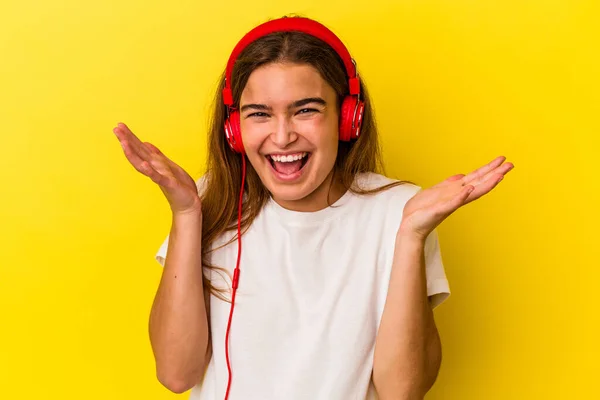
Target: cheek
point(331, 152)
point(326, 137)
point(253, 135)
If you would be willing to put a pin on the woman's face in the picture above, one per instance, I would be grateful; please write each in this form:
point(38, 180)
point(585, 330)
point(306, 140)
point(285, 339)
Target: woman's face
point(289, 125)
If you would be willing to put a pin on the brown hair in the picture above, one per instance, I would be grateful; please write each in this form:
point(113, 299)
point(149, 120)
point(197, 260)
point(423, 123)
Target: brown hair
point(224, 167)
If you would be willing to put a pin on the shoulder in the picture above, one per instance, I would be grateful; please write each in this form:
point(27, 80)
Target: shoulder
point(202, 183)
point(380, 200)
point(389, 188)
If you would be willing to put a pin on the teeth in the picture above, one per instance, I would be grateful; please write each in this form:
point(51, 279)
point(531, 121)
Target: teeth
point(288, 158)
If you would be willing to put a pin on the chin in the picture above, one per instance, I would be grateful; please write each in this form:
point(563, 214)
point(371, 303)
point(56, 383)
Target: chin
point(289, 193)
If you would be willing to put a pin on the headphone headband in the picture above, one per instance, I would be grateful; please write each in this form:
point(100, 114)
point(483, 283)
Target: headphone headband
point(287, 24)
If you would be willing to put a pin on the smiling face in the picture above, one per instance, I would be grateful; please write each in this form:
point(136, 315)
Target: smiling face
point(289, 125)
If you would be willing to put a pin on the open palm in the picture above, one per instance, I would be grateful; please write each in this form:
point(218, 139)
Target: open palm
point(177, 185)
point(429, 207)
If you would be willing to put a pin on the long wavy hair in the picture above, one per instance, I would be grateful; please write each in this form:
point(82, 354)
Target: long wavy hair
point(223, 177)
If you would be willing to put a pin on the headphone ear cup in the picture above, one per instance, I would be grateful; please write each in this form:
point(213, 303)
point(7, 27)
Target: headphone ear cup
point(346, 115)
point(360, 111)
point(233, 132)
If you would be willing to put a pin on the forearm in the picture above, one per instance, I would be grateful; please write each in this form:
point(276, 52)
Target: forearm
point(178, 320)
point(407, 350)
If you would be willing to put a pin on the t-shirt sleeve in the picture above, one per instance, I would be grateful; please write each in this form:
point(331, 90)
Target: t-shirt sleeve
point(438, 288)
point(161, 254)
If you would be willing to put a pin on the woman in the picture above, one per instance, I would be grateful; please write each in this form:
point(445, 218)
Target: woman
point(306, 274)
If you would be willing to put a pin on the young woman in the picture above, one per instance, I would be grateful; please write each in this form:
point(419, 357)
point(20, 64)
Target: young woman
point(306, 274)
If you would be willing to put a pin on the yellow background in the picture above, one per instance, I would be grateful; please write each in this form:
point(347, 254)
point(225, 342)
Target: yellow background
point(455, 83)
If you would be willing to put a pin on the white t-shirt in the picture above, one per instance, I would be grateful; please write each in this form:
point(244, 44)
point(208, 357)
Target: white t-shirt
point(311, 293)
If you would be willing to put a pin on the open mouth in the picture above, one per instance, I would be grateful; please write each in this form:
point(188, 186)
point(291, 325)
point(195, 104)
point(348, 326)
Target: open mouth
point(289, 164)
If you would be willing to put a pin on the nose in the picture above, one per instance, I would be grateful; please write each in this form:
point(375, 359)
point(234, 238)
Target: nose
point(284, 133)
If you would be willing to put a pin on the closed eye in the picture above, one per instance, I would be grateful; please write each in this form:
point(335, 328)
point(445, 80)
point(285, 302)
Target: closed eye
point(257, 114)
point(262, 114)
point(307, 110)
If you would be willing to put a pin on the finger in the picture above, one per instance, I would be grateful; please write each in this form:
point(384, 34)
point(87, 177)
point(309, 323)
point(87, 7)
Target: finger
point(127, 136)
point(155, 176)
point(495, 174)
point(156, 150)
point(483, 170)
point(454, 202)
point(175, 169)
point(134, 141)
point(455, 177)
point(153, 148)
point(133, 156)
point(144, 167)
point(483, 188)
point(450, 180)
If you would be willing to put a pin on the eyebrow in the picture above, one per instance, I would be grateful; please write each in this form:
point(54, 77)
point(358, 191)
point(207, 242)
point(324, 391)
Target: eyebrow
point(297, 103)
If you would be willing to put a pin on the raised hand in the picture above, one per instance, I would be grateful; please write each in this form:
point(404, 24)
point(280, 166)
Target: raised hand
point(429, 207)
point(177, 185)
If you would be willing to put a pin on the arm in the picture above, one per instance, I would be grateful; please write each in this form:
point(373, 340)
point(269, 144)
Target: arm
point(178, 324)
point(408, 349)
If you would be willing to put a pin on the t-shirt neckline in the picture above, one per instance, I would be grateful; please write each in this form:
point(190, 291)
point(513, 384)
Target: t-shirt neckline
point(309, 217)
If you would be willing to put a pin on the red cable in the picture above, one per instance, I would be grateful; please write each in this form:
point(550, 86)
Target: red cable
point(236, 273)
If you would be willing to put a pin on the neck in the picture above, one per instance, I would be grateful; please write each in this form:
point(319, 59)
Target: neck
point(330, 191)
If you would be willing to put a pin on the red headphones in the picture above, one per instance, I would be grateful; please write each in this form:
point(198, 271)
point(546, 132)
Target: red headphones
point(353, 107)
